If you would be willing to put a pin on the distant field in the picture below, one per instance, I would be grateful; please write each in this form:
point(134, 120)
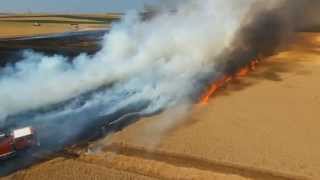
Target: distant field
point(93, 18)
point(13, 25)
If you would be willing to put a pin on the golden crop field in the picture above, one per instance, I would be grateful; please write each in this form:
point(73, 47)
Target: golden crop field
point(37, 24)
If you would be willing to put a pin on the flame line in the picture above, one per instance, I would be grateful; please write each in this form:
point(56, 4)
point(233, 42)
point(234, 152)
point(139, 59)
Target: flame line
point(226, 79)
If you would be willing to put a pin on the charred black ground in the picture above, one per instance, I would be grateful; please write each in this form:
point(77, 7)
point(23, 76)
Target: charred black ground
point(67, 44)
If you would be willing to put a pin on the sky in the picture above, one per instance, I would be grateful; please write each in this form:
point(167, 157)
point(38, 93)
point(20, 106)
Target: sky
point(72, 6)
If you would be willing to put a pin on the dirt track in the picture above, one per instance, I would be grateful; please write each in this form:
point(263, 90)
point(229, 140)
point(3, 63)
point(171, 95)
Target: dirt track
point(264, 126)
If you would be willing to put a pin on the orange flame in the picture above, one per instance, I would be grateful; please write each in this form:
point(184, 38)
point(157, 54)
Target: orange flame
point(205, 98)
point(226, 79)
point(243, 71)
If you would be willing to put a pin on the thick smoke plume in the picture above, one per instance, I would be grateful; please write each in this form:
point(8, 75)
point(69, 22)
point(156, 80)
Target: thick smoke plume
point(148, 66)
point(158, 60)
point(267, 28)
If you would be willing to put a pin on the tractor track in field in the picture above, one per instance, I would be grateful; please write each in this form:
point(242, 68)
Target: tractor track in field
point(177, 160)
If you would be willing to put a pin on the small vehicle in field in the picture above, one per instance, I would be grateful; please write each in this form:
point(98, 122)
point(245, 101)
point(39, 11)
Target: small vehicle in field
point(17, 140)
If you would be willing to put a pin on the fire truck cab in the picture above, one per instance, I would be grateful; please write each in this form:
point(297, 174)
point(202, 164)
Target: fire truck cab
point(17, 140)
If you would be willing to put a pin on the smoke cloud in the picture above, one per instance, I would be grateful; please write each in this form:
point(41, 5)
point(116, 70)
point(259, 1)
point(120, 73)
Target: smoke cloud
point(158, 60)
point(154, 65)
point(267, 28)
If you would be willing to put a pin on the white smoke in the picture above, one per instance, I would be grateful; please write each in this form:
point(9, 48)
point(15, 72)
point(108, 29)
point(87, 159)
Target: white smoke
point(160, 60)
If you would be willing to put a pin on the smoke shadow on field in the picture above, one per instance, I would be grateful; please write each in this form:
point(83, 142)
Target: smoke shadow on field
point(272, 71)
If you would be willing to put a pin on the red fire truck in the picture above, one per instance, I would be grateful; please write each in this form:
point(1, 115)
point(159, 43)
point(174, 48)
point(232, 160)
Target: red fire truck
point(15, 141)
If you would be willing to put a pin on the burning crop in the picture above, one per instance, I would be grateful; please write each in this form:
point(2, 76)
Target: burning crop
point(225, 80)
point(144, 67)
